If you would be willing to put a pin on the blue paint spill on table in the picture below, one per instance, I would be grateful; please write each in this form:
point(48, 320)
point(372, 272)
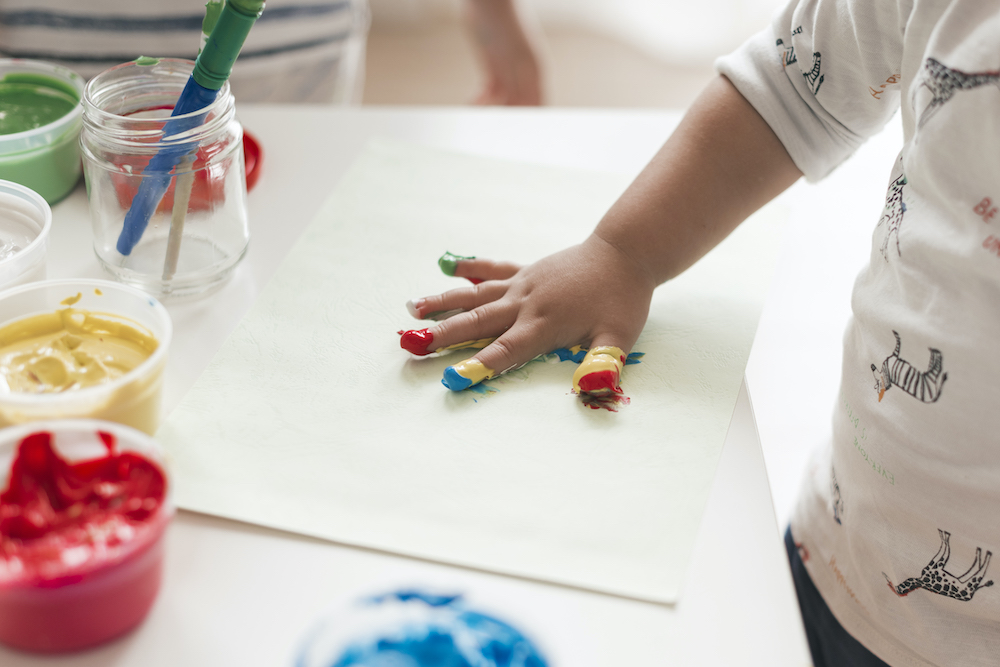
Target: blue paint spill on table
point(429, 630)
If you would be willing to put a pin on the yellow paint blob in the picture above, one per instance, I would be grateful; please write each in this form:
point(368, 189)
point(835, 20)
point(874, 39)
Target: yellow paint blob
point(70, 350)
point(603, 358)
point(474, 370)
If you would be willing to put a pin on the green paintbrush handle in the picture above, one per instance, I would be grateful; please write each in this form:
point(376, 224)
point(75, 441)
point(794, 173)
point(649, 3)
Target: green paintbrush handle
point(215, 62)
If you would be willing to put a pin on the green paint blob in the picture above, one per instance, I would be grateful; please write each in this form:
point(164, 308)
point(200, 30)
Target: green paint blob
point(212, 12)
point(48, 161)
point(28, 101)
point(449, 262)
point(146, 61)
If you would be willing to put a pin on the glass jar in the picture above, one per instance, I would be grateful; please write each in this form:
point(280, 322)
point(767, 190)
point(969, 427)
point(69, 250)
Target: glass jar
point(189, 227)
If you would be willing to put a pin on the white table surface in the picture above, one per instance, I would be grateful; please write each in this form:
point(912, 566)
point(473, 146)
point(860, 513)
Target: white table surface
point(240, 594)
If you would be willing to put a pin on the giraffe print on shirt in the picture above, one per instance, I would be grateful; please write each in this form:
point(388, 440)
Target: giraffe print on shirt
point(943, 82)
point(923, 386)
point(892, 216)
point(936, 579)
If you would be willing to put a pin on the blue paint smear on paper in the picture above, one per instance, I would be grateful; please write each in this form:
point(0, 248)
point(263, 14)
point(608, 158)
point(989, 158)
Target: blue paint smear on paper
point(577, 354)
point(461, 637)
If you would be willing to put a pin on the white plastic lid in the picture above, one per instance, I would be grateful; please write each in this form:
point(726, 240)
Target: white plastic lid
point(25, 221)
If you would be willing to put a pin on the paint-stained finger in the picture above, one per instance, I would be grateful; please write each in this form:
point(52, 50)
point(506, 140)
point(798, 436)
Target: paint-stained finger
point(511, 350)
point(470, 330)
point(476, 270)
point(600, 372)
point(452, 302)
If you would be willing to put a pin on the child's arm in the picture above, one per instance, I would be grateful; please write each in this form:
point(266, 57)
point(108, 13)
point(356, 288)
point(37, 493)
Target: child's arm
point(721, 164)
point(506, 53)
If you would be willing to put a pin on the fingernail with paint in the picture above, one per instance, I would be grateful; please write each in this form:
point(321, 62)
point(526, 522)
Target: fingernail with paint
point(465, 374)
point(449, 265)
point(417, 341)
point(600, 372)
point(449, 262)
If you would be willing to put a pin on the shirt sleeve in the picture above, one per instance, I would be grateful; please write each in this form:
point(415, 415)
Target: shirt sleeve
point(825, 76)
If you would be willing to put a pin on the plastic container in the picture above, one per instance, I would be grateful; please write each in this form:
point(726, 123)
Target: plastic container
point(198, 231)
point(25, 221)
point(45, 158)
point(134, 398)
point(108, 563)
point(416, 628)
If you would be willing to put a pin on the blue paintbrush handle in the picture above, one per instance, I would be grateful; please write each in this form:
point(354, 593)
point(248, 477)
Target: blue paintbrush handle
point(156, 176)
point(211, 70)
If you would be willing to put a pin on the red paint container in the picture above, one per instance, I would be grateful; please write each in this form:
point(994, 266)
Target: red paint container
point(83, 511)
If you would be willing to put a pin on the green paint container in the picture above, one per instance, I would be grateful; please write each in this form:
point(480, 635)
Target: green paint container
point(41, 110)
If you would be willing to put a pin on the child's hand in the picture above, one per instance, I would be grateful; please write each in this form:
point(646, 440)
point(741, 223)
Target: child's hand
point(721, 164)
point(590, 294)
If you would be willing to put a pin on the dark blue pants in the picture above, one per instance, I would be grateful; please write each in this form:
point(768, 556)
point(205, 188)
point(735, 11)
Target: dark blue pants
point(829, 643)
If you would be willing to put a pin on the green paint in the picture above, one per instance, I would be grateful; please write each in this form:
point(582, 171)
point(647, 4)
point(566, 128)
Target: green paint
point(42, 80)
point(449, 262)
point(146, 61)
point(213, 10)
point(28, 101)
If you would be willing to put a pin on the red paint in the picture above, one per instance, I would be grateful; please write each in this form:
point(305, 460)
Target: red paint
point(474, 281)
point(609, 402)
point(253, 157)
point(600, 391)
point(80, 548)
point(417, 341)
point(600, 382)
point(207, 190)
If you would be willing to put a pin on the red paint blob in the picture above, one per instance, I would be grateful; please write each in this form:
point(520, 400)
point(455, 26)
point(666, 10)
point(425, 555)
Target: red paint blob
point(80, 549)
point(207, 191)
point(475, 281)
point(600, 382)
point(417, 341)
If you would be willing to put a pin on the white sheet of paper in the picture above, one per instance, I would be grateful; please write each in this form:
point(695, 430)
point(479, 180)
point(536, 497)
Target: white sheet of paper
point(312, 419)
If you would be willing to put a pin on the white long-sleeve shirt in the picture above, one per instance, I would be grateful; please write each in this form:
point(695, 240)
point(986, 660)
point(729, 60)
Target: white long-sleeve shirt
point(298, 51)
point(900, 515)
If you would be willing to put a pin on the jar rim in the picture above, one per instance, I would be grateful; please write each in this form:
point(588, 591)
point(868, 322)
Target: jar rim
point(178, 71)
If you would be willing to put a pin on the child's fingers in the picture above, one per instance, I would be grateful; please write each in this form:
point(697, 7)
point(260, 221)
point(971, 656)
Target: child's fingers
point(510, 350)
point(474, 329)
point(485, 269)
point(476, 270)
point(464, 298)
point(486, 322)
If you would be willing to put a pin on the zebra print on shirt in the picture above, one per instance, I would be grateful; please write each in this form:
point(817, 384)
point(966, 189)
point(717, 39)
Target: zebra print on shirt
point(923, 386)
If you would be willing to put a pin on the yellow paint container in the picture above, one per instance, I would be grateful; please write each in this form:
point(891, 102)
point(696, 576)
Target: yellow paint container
point(92, 311)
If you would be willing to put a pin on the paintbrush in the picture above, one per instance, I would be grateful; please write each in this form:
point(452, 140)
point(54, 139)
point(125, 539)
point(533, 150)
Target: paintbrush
point(211, 70)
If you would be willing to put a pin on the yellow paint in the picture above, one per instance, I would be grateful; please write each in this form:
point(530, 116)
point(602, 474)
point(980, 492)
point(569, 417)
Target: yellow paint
point(70, 300)
point(473, 370)
point(467, 345)
point(75, 352)
point(603, 358)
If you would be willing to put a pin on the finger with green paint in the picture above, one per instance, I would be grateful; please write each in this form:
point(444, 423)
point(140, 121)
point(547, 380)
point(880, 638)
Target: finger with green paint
point(476, 270)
